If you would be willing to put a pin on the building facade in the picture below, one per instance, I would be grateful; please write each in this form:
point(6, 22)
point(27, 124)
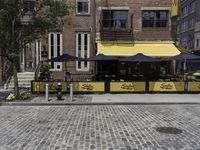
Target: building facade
point(188, 13)
point(91, 24)
point(197, 31)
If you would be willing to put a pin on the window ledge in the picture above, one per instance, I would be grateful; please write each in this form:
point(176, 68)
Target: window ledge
point(79, 14)
point(155, 28)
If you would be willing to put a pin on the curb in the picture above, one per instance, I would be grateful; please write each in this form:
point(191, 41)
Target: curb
point(107, 103)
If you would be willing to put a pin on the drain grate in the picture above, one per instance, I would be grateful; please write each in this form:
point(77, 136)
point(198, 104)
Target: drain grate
point(169, 130)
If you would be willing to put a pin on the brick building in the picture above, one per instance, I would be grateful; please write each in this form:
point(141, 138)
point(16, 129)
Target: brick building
point(112, 27)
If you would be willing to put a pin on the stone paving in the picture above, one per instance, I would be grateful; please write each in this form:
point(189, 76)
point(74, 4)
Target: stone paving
point(65, 99)
point(113, 127)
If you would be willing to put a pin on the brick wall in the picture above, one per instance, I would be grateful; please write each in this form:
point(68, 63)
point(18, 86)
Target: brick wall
point(135, 8)
point(90, 23)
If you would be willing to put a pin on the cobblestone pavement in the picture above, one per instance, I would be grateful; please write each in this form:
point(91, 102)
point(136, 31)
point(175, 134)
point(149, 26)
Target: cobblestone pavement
point(65, 99)
point(99, 127)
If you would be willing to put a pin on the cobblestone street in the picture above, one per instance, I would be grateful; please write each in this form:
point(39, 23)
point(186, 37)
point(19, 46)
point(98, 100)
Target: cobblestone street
point(99, 127)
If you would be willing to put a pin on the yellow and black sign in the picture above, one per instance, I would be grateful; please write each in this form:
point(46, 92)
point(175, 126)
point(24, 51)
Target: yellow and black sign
point(127, 86)
point(166, 86)
point(41, 86)
point(89, 86)
point(193, 87)
point(174, 10)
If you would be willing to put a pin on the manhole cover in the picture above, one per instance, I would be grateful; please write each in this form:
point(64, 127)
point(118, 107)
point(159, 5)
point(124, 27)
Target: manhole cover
point(169, 130)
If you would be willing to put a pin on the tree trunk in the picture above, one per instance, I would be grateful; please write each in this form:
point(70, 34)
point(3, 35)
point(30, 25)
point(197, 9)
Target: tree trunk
point(16, 85)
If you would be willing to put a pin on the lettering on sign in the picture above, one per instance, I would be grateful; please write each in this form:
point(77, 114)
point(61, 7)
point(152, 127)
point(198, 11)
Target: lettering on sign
point(127, 86)
point(88, 87)
point(166, 86)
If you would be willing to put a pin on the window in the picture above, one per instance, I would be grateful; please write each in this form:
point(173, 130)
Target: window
point(197, 43)
point(38, 51)
point(117, 19)
point(191, 24)
point(82, 7)
point(55, 49)
point(184, 26)
point(178, 29)
point(82, 50)
point(153, 18)
point(185, 11)
point(192, 7)
point(29, 6)
point(184, 41)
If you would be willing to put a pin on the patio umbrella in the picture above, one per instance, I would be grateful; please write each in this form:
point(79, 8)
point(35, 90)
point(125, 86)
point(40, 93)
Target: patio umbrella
point(101, 57)
point(139, 58)
point(183, 56)
point(65, 58)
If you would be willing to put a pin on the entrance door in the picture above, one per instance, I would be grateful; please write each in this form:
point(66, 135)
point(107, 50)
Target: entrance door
point(30, 56)
point(55, 49)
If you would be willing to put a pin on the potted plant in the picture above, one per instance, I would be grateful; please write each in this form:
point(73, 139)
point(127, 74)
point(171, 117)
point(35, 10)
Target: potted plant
point(45, 72)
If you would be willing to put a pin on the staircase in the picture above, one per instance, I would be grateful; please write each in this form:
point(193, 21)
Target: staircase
point(24, 80)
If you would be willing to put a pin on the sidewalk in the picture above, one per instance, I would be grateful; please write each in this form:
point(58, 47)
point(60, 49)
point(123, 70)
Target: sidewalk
point(111, 99)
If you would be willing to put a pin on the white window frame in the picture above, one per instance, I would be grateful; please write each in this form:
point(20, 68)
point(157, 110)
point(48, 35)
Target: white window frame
point(55, 50)
point(38, 45)
point(82, 13)
point(82, 50)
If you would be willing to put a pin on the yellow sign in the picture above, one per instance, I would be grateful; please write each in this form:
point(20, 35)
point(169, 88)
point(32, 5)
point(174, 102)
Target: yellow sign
point(174, 10)
point(193, 86)
point(41, 86)
point(89, 86)
point(166, 86)
point(127, 87)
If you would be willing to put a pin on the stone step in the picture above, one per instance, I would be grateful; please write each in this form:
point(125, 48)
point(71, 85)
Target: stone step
point(24, 80)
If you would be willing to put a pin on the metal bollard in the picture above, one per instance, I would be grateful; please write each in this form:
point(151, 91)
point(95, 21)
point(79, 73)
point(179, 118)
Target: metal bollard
point(47, 92)
point(71, 91)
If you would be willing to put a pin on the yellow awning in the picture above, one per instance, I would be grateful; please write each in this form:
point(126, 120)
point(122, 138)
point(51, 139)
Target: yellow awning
point(149, 49)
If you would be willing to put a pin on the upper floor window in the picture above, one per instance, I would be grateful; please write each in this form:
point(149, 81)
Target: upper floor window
point(192, 7)
point(185, 26)
point(184, 11)
point(29, 6)
point(191, 23)
point(115, 19)
point(82, 7)
point(154, 18)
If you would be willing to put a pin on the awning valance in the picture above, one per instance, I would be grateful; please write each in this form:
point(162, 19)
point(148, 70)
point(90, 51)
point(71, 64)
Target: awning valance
point(128, 49)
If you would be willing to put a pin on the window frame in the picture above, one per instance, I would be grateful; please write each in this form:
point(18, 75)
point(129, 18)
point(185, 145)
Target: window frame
point(113, 21)
point(155, 19)
point(29, 11)
point(82, 68)
point(82, 13)
point(55, 45)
